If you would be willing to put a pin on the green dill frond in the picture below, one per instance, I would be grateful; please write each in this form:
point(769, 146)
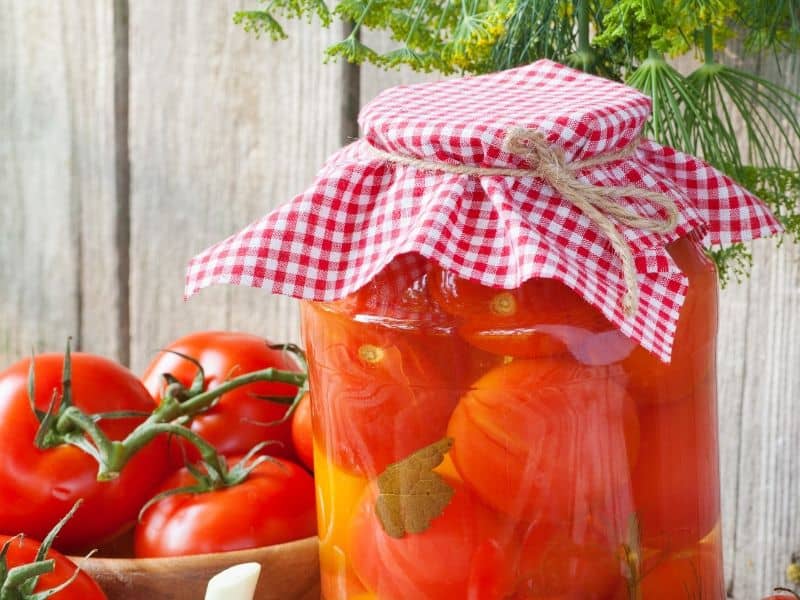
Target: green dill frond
point(353, 50)
point(779, 188)
point(767, 113)
point(680, 116)
point(406, 56)
point(668, 26)
point(733, 262)
point(536, 29)
point(264, 22)
point(260, 22)
point(770, 24)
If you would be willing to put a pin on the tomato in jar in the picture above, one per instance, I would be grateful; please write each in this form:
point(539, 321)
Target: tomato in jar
point(546, 439)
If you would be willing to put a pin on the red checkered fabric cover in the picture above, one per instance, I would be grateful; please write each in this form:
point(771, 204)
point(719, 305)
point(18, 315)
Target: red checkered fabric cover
point(362, 211)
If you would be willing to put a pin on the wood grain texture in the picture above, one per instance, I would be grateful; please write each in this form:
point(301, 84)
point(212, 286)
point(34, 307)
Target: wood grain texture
point(223, 127)
point(288, 572)
point(761, 446)
point(57, 178)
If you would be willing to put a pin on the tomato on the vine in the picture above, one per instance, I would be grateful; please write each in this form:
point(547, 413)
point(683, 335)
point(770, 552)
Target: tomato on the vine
point(243, 417)
point(37, 487)
point(543, 439)
point(302, 433)
point(23, 550)
point(274, 504)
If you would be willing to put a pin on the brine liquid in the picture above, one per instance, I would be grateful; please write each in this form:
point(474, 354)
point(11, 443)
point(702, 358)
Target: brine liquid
point(567, 462)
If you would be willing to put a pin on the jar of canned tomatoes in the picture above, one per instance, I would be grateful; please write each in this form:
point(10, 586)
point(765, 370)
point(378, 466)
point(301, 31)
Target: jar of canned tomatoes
point(510, 320)
point(559, 460)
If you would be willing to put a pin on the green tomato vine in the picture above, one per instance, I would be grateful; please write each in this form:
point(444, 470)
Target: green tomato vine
point(738, 122)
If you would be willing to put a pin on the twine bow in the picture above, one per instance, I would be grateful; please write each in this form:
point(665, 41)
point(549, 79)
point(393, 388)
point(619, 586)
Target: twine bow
point(599, 204)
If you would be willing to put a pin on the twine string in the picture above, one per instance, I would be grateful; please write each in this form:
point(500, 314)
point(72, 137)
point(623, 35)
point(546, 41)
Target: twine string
point(599, 204)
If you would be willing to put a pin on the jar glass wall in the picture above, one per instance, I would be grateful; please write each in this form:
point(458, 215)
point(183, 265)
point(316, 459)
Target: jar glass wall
point(574, 464)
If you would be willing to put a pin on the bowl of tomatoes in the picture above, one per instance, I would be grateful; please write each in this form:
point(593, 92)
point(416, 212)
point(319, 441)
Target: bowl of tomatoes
point(169, 478)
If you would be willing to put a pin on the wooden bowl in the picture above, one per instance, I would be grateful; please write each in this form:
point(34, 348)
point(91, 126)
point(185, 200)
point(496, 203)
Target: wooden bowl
point(288, 572)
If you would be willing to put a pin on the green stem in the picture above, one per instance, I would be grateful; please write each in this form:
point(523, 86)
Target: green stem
point(204, 400)
point(113, 455)
point(653, 54)
point(417, 17)
point(116, 454)
point(73, 417)
point(361, 17)
point(122, 452)
point(583, 27)
point(708, 44)
point(207, 451)
point(19, 575)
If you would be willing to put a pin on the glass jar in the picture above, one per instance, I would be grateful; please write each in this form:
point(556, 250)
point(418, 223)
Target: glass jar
point(511, 444)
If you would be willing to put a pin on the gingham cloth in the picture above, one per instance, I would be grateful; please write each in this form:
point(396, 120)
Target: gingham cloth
point(362, 211)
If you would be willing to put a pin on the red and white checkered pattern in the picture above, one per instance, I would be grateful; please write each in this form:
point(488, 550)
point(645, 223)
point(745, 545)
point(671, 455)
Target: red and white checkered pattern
point(362, 212)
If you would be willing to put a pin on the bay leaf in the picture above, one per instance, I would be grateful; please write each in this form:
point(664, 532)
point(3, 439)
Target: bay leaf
point(411, 495)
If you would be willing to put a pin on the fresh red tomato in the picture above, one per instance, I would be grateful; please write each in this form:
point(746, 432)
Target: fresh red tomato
point(547, 439)
point(542, 317)
point(38, 487)
point(653, 381)
point(463, 547)
point(579, 562)
point(377, 397)
point(238, 421)
point(302, 435)
point(676, 479)
point(782, 594)
point(23, 550)
point(275, 504)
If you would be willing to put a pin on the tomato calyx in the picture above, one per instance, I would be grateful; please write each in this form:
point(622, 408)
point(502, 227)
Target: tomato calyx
point(19, 583)
point(64, 423)
point(216, 474)
point(292, 401)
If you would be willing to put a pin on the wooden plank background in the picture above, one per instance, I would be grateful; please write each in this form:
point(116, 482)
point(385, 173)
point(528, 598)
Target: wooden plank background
point(133, 136)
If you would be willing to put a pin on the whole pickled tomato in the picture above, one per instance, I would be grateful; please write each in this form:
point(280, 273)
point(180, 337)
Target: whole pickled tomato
point(467, 552)
point(570, 561)
point(675, 478)
point(694, 572)
point(547, 439)
point(401, 299)
point(541, 318)
point(376, 398)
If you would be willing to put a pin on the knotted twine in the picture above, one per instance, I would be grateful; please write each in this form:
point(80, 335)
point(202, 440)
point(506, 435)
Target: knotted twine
point(599, 204)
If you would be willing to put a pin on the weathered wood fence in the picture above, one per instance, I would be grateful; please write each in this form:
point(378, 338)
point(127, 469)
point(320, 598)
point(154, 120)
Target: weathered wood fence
point(134, 133)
